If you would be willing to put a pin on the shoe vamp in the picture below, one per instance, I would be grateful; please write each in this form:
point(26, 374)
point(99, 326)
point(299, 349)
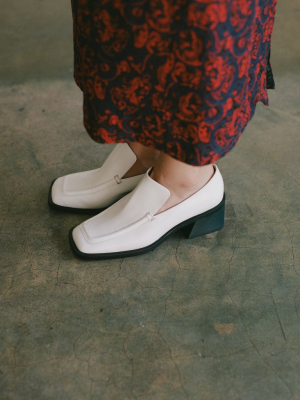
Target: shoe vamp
point(128, 211)
point(88, 181)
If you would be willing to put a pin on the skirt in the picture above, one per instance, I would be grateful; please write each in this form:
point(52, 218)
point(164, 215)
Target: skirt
point(179, 76)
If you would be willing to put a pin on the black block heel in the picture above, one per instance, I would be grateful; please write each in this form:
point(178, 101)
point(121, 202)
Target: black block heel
point(208, 222)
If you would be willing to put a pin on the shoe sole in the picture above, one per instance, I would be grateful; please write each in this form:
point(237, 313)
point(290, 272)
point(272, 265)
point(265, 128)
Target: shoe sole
point(202, 224)
point(56, 207)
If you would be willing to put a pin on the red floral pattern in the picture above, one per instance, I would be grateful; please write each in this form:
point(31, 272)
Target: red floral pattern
point(181, 76)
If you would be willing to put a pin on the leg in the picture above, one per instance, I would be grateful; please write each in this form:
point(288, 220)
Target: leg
point(181, 179)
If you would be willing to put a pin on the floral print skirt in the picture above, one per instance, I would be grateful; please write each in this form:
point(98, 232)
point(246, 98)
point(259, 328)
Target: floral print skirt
point(180, 76)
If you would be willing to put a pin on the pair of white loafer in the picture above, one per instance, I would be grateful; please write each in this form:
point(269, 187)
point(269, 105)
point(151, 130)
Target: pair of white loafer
point(127, 222)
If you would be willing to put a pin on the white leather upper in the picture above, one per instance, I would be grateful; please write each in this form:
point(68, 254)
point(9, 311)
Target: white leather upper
point(131, 222)
point(100, 187)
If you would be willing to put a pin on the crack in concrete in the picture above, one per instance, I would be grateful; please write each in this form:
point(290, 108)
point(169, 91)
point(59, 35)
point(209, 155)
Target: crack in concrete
point(256, 349)
point(131, 360)
point(286, 172)
point(229, 264)
point(279, 321)
point(296, 308)
point(175, 364)
point(202, 355)
point(172, 284)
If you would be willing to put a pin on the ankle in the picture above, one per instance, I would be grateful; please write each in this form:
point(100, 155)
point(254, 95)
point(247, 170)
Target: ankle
point(183, 184)
point(181, 189)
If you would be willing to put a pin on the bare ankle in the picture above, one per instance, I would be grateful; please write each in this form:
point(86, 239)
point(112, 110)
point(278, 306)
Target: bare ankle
point(181, 179)
point(184, 182)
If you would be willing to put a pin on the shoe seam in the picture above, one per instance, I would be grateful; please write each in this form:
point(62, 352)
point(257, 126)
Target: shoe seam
point(117, 232)
point(98, 188)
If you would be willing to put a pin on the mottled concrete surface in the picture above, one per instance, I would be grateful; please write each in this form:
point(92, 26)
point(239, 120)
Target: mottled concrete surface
point(36, 40)
point(213, 318)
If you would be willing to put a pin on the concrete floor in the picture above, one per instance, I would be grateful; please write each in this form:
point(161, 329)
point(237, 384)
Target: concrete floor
point(213, 318)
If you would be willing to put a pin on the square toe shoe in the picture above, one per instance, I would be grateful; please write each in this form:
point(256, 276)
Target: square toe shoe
point(130, 227)
point(93, 191)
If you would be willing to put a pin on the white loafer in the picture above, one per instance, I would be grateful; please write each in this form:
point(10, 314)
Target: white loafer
point(93, 191)
point(130, 226)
